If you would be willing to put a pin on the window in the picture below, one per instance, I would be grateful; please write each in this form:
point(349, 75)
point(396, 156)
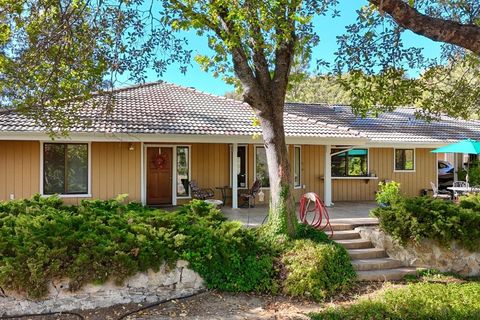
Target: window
point(65, 168)
point(261, 168)
point(183, 171)
point(297, 167)
point(242, 167)
point(352, 163)
point(404, 159)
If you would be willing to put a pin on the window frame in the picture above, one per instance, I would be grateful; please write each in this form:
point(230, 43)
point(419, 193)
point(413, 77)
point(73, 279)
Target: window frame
point(255, 165)
point(414, 160)
point(349, 176)
point(89, 169)
point(299, 185)
point(189, 196)
point(246, 166)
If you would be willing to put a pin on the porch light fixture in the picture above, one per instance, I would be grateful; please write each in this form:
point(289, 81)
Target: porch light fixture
point(131, 146)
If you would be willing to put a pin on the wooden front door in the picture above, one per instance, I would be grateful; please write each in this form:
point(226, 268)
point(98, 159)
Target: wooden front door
point(159, 175)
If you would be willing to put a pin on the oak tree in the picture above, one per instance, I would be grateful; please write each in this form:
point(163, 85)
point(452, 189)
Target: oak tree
point(254, 43)
point(386, 71)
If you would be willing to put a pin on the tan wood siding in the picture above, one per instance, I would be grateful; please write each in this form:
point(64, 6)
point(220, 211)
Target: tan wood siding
point(313, 168)
point(115, 170)
point(19, 169)
point(381, 162)
point(210, 166)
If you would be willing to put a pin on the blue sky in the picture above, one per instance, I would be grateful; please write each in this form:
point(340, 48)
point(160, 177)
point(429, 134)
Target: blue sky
point(326, 27)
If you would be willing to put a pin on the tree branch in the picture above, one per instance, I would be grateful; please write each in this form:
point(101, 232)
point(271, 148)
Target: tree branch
point(437, 29)
point(244, 72)
point(284, 57)
point(257, 44)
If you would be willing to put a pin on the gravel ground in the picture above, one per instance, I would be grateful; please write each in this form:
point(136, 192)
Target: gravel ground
point(218, 305)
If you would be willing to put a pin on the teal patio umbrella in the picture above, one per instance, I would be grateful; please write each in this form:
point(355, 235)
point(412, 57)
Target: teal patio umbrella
point(465, 146)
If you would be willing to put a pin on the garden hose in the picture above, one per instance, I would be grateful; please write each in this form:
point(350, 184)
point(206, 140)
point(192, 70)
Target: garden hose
point(20, 316)
point(320, 219)
point(157, 304)
point(83, 318)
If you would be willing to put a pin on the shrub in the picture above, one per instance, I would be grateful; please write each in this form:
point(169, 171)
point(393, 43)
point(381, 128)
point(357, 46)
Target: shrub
point(417, 301)
point(316, 270)
point(473, 172)
point(231, 258)
point(306, 231)
point(388, 193)
point(42, 239)
point(413, 219)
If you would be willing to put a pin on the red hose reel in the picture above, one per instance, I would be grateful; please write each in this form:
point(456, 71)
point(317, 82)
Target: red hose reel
point(317, 216)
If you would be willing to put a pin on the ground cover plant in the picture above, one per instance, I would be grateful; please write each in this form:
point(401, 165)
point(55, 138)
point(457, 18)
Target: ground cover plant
point(432, 299)
point(43, 239)
point(316, 270)
point(416, 218)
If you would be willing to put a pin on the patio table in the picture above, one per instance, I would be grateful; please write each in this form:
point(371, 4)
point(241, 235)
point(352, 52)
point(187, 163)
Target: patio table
point(216, 203)
point(224, 190)
point(464, 189)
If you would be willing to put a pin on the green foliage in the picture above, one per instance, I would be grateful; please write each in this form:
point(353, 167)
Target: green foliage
point(388, 193)
point(306, 231)
point(377, 57)
point(316, 270)
point(251, 31)
point(317, 89)
point(413, 219)
point(422, 301)
point(474, 173)
point(282, 220)
point(230, 258)
point(54, 54)
point(42, 239)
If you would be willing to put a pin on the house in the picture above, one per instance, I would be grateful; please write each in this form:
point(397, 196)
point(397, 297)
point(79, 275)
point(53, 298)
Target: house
point(159, 136)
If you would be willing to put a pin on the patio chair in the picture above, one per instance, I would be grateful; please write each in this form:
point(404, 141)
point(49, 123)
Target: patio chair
point(440, 194)
point(459, 184)
point(200, 193)
point(249, 197)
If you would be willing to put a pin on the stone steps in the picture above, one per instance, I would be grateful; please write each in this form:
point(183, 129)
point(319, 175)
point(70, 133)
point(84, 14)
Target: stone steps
point(371, 264)
point(375, 264)
point(394, 274)
point(369, 253)
point(341, 226)
point(355, 243)
point(344, 235)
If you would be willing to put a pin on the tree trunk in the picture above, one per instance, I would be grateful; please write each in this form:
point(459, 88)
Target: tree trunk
point(282, 217)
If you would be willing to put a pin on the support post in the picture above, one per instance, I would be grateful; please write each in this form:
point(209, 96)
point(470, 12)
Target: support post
point(455, 167)
point(327, 177)
point(234, 176)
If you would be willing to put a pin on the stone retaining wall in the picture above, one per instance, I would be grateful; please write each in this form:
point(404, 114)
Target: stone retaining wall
point(147, 287)
point(427, 253)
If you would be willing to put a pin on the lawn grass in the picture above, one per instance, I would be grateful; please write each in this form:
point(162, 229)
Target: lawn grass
point(423, 300)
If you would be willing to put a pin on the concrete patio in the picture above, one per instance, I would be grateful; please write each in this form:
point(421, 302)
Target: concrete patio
point(341, 212)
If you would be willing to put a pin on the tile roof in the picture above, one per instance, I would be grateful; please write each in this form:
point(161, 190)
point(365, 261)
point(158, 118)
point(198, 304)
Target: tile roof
point(165, 108)
point(400, 125)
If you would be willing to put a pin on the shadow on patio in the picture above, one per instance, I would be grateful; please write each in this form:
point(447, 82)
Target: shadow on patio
point(340, 212)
